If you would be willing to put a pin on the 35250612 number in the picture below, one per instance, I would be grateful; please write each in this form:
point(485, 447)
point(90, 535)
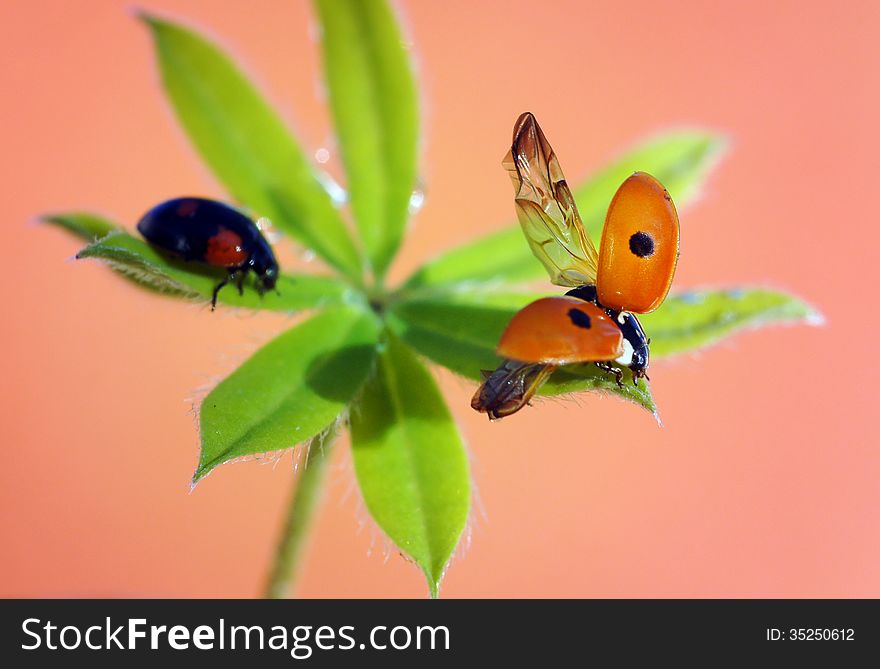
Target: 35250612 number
point(821, 634)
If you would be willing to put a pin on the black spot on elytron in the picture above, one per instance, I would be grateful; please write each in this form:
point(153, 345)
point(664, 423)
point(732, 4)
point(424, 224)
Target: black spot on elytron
point(642, 244)
point(579, 318)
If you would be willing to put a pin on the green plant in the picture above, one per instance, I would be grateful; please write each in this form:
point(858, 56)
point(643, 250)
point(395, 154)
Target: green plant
point(358, 360)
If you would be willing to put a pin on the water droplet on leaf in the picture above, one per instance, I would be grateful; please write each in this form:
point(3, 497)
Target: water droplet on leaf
point(334, 190)
point(416, 201)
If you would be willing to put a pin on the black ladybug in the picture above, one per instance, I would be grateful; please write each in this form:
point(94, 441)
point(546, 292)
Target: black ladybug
point(210, 232)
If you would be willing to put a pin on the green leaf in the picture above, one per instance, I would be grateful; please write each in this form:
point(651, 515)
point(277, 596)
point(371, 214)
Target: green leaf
point(91, 228)
point(696, 319)
point(140, 262)
point(246, 144)
point(373, 98)
point(460, 332)
point(500, 257)
point(680, 160)
point(581, 378)
point(410, 462)
point(84, 225)
point(292, 389)
point(457, 330)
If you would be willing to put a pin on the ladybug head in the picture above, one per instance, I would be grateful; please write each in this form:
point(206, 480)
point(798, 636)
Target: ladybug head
point(269, 278)
point(266, 268)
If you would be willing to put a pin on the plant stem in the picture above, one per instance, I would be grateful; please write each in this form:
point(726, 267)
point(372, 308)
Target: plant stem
point(300, 511)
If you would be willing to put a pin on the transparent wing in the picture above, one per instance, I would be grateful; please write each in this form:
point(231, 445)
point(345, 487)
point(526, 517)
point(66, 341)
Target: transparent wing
point(546, 209)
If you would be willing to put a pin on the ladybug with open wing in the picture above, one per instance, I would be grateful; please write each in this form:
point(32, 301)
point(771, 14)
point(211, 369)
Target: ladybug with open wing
point(213, 233)
point(596, 321)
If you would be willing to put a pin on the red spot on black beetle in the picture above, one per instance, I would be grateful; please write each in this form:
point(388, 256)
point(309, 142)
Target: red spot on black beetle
point(225, 249)
point(187, 207)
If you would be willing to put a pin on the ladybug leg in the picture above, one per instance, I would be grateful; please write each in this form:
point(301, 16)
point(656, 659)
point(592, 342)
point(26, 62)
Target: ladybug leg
point(638, 375)
point(261, 289)
point(217, 288)
point(607, 367)
point(240, 282)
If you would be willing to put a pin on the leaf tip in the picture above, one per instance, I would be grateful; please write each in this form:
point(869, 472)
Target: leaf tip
point(200, 473)
point(85, 252)
point(433, 583)
point(93, 249)
point(814, 317)
point(719, 144)
point(153, 22)
point(656, 414)
point(714, 148)
point(57, 220)
point(51, 219)
point(144, 16)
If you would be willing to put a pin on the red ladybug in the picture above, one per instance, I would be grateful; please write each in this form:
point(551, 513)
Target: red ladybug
point(595, 322)
point(213, 233)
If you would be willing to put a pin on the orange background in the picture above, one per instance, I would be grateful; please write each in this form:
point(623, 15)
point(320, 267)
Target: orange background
point(764, 480)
